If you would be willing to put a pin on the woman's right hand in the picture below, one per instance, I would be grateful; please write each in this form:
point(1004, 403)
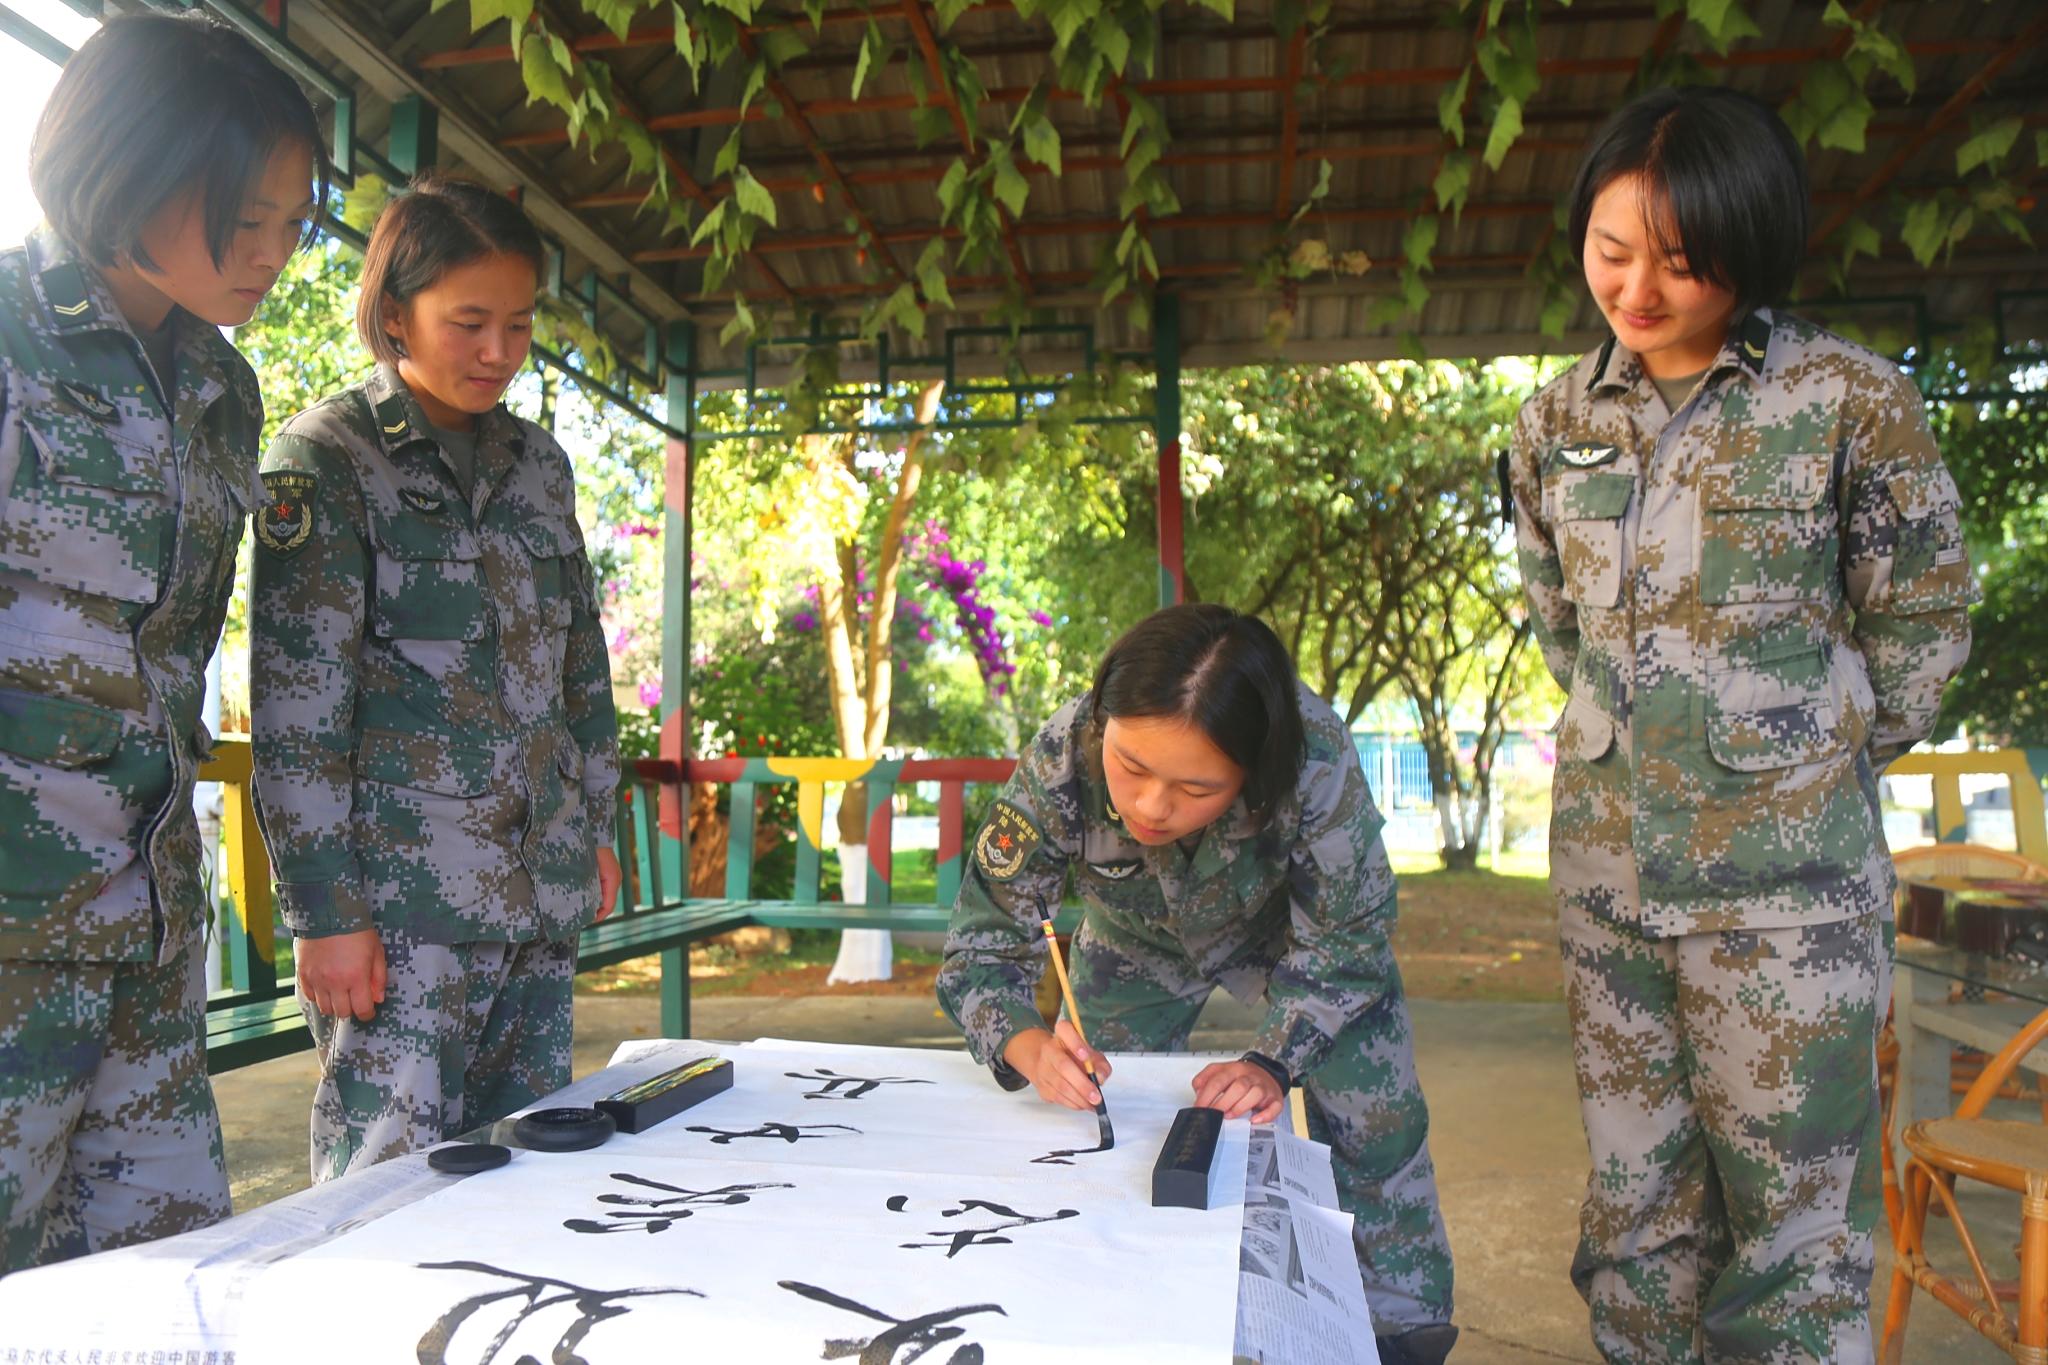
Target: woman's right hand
point(342, 974)
point(1054, 1063)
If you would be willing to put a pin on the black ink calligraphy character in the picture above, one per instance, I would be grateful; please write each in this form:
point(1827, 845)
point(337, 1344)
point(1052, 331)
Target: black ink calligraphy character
point(788, 1132)
point(662, 1213)
point(959, 1239)
point(856, 1086)
point(913, 1336)
point(540, 1293)
point(1062, 1158)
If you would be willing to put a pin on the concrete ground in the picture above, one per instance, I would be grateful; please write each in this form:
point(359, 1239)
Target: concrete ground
point(1510, 1155)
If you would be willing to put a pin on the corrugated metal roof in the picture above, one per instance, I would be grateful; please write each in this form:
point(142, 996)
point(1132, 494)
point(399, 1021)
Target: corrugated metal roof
point(1378, 119)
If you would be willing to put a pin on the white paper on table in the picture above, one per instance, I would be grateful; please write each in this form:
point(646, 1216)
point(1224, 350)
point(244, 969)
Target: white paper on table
point(1276, 1325)
point(1304, 1168)
point(862, 1214)
point(189, 1292)
point(1329, 1261)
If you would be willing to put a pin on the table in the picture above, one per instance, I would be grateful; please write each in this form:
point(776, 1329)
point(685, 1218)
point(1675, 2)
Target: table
point(1996, 999)
point(1980, 914)
point(845, 1236)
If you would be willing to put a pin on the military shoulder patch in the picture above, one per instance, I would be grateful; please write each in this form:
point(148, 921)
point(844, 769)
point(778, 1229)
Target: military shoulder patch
point(1586, 455)
point(1006, 842)
point(285, 520)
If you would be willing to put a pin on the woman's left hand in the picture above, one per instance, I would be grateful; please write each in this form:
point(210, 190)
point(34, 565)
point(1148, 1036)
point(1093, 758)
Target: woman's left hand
point(608, 879)
point(1239, 1088)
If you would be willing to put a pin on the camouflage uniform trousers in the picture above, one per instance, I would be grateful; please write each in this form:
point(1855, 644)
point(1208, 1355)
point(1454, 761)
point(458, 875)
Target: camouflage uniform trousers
point(1364, 1101)
point(1728, 1083)
point(108, 1132)
point(467, 1033)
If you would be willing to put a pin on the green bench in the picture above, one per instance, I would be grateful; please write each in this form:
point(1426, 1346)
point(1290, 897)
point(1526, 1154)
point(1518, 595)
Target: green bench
point(259, 1018)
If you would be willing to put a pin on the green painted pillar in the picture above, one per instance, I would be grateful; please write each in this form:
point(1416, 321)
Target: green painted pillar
point(1166, 426)
point(415, 135)
point(678, 497)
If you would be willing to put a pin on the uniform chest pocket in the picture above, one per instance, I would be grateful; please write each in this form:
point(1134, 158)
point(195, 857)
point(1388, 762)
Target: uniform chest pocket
point(554, 543)
point(423, 762)
point(88, 509)
point(429, 580)
point(1930, 569)
point(1767, 529)
point(1587, 509)
point(1773, 707)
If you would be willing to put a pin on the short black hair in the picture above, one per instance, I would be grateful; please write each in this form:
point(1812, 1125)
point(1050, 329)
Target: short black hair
point(151, 107)
point(1721, 169)
point(433, 225)
point(1221, 671)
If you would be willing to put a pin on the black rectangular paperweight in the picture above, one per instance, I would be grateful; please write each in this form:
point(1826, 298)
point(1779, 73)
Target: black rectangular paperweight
point(639, 1107)
point(1180, 1178)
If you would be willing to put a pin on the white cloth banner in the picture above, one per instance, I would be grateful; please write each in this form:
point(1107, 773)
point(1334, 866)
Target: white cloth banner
point(882, 1204)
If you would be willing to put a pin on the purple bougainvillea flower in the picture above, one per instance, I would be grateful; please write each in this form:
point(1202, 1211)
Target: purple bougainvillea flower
point(650, 692)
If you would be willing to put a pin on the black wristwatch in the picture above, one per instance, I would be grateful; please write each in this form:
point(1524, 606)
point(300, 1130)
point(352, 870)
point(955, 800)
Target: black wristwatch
point(1271, 1068)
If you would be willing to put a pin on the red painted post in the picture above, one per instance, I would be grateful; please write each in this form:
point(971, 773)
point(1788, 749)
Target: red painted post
point(1173, 578)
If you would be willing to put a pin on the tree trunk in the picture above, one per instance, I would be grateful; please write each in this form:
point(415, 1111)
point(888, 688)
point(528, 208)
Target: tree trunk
point(862, 689)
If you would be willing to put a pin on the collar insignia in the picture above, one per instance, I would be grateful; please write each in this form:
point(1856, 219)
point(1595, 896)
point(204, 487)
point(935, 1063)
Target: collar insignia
point(421, 502)
point(87, 401)
point(1116, 871)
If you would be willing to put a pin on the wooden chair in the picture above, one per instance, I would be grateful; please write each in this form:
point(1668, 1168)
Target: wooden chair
point(2012, 1155)
point(1960, 860)
point(1967, 860)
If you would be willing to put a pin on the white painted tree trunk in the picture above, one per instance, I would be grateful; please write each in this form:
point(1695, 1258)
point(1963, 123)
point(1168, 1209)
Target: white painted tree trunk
point(864, 954)
point(207, 808)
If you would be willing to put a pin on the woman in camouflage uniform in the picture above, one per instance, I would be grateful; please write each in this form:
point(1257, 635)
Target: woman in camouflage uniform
point(436, 750)
point(1215, 822)
point(176, 169)
point(1742, 558)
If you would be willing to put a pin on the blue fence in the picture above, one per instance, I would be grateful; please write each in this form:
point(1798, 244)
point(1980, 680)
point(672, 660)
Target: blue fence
point(1398, 769)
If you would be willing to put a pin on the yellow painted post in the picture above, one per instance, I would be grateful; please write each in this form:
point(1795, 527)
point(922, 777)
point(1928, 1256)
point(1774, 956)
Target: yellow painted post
point(1951, 817)
point(252, 949)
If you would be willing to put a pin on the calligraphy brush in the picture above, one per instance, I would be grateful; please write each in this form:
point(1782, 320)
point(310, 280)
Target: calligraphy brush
point(1059, 967)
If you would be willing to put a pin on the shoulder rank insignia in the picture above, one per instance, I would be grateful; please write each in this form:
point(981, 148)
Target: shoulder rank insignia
point(428, 503)
point(64, 287)
point(1586, 454)
point(285, 521)
point(1005, 842)
point(1756, 341)
point(88, 401)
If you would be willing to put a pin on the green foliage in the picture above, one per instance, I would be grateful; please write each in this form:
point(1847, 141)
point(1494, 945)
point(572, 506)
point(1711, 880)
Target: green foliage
point(1102, 48)
point(1723, 21)
point(2002, 693)
point(1998, 452)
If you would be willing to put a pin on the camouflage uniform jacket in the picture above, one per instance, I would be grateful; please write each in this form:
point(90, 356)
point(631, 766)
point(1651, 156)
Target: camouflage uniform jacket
point(119, 523)
point(436, 748)
point(1298, 916)
point(1755, 604)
